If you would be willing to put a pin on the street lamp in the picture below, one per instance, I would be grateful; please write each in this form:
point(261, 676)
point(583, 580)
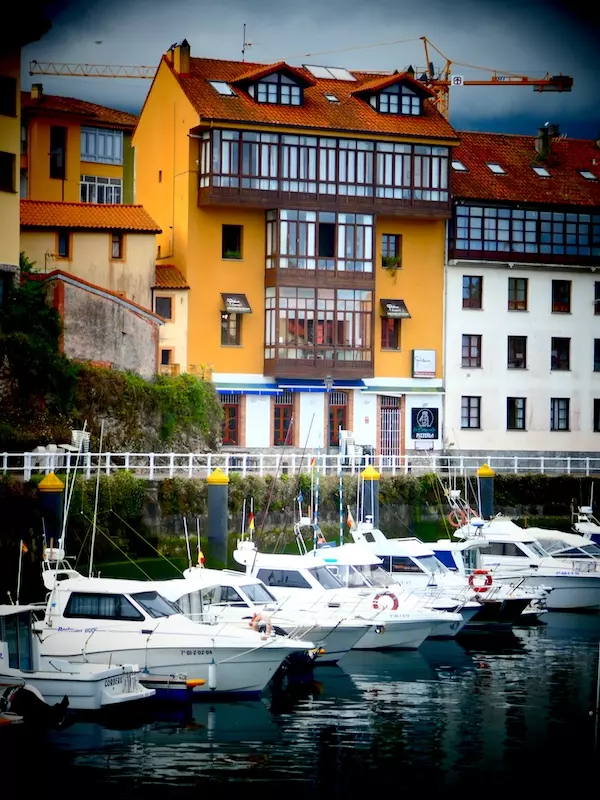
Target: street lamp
point(328, 381)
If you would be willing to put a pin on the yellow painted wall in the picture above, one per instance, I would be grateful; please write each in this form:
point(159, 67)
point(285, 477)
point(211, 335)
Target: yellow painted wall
point(10, 65)
point(90, 259)
point(420, 283)
point(40, 185)
point(174, 333)
point(208, 275)
point(162, 145)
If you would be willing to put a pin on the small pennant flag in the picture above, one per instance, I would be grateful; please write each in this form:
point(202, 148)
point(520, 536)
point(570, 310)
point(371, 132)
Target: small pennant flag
point(350, 520)
point(300, 497)
point(251, 521)
point(24, 548)
point(313, 461)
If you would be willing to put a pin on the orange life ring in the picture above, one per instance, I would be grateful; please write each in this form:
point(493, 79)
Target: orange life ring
point(255, 624)
point(476, 585)
point(395, 602)
point(457, 518)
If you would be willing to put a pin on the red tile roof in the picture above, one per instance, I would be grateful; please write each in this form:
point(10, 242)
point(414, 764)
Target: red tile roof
point(352, 113)
point(90, 113)
point(379, 83)
point(261, 71)
point(517, 155)
point(169, 277)
point(85, 216)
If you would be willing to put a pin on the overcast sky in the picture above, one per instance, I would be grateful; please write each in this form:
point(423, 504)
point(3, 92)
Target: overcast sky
point(527, 37)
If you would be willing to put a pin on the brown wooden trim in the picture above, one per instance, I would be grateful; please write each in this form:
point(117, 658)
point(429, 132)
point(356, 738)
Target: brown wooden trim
point(318, 368)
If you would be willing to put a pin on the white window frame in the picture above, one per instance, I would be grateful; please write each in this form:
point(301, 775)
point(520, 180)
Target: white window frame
point(104, 191)
point(101, 145)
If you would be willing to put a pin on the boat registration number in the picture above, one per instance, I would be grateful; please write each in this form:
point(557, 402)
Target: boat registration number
point(114, 681)
point(196, 652)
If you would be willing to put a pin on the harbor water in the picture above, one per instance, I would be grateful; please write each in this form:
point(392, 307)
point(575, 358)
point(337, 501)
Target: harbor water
point(485, 714)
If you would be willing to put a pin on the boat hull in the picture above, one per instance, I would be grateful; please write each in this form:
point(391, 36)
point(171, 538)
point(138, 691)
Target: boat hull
point(394, 636)
point(569, 593)
point(238, 670)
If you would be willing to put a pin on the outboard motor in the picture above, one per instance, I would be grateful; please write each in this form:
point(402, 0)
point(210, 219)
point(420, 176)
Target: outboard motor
point(27, 702)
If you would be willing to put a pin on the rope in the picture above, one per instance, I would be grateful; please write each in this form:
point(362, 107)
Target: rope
point(120, 549)
point(150, 545)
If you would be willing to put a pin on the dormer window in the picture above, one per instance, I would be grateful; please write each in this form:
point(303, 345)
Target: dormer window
point(276, 88)
point(397, 99)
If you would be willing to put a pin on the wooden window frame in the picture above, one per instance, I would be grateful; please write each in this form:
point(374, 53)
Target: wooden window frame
point(10, 160)
point(69, 235)
point(170, 297)
point(473, 412)
point(561, 362)
point(391, 250)
point(518, 287)
point(512, 360)
point(225, 250)
point(560, 305)
point(516, 412)
point(226, 317)
point(560, 409)
point(390, 327)
point(471, 351)
point(121, 241)
point(472, 292)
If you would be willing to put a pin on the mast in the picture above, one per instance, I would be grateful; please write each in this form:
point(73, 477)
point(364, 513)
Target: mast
point(95, 501)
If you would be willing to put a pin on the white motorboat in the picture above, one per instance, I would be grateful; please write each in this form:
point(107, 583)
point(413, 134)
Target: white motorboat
point(415, 565)
point(88, 687)
point(225, 595)
point(513, 552)
point(560, 544)
point(102, 620)
point(358, 567)
point(585, 523)
point(305, 581)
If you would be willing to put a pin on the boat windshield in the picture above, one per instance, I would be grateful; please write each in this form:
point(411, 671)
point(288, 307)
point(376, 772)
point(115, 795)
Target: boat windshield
point(325, 578)
point(431, 564)
point(258, 593)
point(552, 546)
point(155, 604)
point(587, 551)
point(537, 548)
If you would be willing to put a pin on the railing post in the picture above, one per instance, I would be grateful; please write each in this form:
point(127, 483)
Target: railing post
point(209, 465)
point(151, 467)
point(394, 461)
point(293, 463)
point(4, 462)
point(244, 465)
point(461, 466)
point(27, 466)
point(568, 465)
point(261, 463)
point(227, 464)
point(587, 466)
point(516, 465)
point(542, 465)
point(127, 462)
point(88, 465)
point(106, 463)
point(190, 465)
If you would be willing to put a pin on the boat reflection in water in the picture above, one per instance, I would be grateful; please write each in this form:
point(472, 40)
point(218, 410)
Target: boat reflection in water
point(462, 714)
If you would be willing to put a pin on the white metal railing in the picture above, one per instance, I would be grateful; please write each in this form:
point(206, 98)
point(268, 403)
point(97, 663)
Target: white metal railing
point(155, 466)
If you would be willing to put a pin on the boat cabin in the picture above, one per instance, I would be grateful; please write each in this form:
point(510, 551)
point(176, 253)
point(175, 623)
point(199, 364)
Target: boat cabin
point(17, 646)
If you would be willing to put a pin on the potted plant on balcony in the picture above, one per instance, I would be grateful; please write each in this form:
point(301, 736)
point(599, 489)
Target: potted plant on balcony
point(233, 254)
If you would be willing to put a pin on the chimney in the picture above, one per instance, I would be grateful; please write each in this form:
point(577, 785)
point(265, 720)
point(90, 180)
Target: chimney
point(542, 142)
point(181, 58)
point(37, 91)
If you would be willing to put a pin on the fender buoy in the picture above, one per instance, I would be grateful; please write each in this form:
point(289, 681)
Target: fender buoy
point(457, 518)
point(255, 624)
point(377, 597)
point(480, 584)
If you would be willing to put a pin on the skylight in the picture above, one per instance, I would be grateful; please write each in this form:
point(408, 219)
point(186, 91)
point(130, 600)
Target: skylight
point(542, 172)
point(496, 169)
point(459, 166)
point(332, 98)
point(330, 73)
point(222, 88)
point(585, 173)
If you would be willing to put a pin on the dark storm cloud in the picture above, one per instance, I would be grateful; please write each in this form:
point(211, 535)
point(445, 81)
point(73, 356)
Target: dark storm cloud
point(529, 38)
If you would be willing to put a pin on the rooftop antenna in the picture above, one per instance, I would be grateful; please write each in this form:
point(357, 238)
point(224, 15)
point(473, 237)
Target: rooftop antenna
point(245, 44)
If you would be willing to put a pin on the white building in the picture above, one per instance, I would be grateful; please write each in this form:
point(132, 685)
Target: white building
point(522, 316)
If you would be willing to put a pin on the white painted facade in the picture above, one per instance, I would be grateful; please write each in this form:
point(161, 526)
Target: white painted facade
point(494, 382)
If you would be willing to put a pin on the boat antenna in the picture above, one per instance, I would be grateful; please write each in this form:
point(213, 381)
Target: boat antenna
point(96, 501)
point(187, 541)
point(341, 493)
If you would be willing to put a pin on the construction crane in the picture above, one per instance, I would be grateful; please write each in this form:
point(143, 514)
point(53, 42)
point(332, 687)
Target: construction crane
point(438, 81)
point(441, 81)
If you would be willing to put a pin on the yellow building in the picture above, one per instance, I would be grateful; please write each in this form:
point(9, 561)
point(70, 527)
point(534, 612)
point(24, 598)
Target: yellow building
point(74, 151)
point(26, 25)
point(306, 208)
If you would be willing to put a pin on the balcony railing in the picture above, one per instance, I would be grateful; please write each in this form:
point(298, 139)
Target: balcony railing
point(156, 466)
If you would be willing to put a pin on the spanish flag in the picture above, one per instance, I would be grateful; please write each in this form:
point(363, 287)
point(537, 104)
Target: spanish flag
point(313, 462)
point(24, 548)
point(251, 521)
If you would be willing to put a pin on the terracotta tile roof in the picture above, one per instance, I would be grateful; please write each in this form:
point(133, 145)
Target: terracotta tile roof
point(90, 113)
point(517, 155)
point(352, 113)
point(68, 277)
point(379, 83)
point(84, 216)
point(261, 71)
point(169, 277)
